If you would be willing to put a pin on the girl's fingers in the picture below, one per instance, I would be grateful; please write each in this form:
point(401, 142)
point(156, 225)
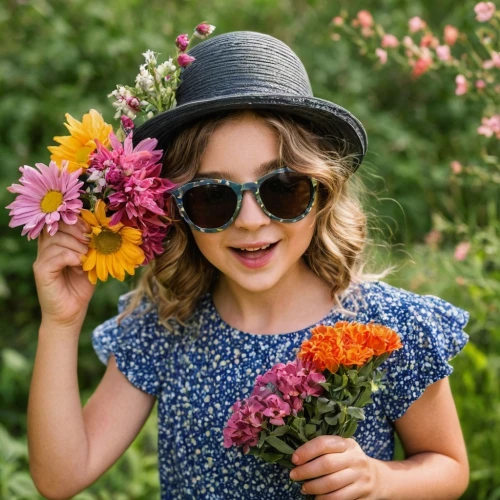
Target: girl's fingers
point(64, 240)
point(326, 464)
point(55, 259)
point(349, 492)
point(78, 231)
point(320, 445)
point(330, 482)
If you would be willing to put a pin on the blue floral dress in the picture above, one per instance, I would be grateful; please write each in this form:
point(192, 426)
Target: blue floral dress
point(197, 372)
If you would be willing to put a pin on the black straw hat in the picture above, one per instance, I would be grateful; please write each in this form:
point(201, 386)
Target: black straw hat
point(250, 70)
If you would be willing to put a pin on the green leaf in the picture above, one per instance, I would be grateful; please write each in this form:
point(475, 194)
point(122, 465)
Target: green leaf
point(271, 457)
point(350, 429)
point(310, 429)
point(279, 445)
point(279, 431)
point(332, 420)
point(355, 412)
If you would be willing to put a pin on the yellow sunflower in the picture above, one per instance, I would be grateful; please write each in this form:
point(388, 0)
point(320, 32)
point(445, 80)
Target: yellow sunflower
point(76, 148)
point(112, 249)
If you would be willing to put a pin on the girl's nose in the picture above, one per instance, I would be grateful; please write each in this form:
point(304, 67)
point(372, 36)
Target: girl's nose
point(251, 215)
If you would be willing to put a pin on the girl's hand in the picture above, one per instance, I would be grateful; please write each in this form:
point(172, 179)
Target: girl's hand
point(64, 289)
point(342, 469)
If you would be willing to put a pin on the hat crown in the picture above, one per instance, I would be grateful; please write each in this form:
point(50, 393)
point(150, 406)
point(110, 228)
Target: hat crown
point(242, 62)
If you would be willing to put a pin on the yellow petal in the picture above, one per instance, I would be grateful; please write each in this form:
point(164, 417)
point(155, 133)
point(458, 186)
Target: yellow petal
point(102, 271)
point(89, 217)
point(90, 260)
point(92, 276)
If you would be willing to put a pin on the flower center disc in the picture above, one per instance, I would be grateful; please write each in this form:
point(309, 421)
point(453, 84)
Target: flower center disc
point(51, 201)
point(107, 242)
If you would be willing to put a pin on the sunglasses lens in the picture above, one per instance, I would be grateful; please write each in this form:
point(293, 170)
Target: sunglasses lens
point(287, 195)
point(210, 206)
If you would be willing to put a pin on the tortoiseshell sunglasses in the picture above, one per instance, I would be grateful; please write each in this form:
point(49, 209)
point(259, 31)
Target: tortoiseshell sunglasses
point(211, 205)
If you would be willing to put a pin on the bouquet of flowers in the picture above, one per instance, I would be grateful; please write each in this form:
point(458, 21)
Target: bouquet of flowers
point(322, 392)
point(98, 175)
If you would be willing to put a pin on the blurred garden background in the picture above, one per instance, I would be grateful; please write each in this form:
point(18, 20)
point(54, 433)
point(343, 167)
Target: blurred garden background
point(434, 178)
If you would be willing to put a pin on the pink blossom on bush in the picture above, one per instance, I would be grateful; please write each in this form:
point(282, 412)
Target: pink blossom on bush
point(338, 21)
point(422, 65)
point(490, 126)
point(494, 62)
point(429, 40)
point(456, 167)
point(433, 237)
point(389, 41)
point(484, 11)
point(480, 84)
point(443, 53)
point(416, 24)
point(461, 250)
point(381, 54)
point(462, 85)
point(450, 35)
point(365, 19)
point(408, 42)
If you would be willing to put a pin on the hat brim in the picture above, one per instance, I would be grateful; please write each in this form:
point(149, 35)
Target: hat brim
point(329, 118)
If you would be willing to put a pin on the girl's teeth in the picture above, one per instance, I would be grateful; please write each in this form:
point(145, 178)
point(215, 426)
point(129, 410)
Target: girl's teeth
point(255, 249)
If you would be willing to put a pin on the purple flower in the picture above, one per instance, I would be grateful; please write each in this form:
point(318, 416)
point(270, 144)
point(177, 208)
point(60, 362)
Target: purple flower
point(182, 42)
point(185, 60)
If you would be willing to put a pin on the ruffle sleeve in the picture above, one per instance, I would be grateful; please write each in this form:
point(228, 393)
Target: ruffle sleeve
point(133, 342)
point(431, 332)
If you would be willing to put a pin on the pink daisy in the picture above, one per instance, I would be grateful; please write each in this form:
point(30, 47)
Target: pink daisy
point(45, 197)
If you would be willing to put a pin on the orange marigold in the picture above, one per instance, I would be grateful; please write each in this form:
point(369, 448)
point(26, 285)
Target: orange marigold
point(347, 343)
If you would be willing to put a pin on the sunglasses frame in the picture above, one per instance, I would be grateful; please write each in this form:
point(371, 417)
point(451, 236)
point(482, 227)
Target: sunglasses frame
point(238, 189)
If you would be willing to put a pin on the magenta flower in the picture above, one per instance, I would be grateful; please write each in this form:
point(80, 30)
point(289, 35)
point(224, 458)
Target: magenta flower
point(484, 11)
point(127, 122)
point(44, 198)
point(153, 238)
point(203, 30)
point(276, 409)
point(182, 42)
point(185, 60)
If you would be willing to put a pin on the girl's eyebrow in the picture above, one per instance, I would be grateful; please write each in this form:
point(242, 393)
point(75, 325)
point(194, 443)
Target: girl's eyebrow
point(263, 169)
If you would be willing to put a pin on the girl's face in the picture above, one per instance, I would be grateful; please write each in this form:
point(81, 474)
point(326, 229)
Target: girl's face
point(235, 152)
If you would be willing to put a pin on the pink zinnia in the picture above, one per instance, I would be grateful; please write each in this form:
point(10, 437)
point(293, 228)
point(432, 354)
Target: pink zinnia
point(484, 11)
point(45, 197)
point(185, 60)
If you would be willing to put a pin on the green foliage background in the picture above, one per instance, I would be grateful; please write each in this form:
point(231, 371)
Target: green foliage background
point(66, 55)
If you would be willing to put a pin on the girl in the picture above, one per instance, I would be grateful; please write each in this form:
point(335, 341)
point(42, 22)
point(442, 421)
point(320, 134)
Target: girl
point(267, 241)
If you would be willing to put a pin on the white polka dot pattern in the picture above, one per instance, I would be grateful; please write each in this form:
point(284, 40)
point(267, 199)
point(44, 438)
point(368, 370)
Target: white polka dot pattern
point(198, 371)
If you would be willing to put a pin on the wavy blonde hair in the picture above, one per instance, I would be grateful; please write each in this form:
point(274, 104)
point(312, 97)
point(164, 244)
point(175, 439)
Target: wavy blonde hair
point(177, 279)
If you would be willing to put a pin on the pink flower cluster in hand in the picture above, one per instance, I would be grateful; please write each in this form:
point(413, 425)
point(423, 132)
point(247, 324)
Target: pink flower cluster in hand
point(139, 194)
point(277, 394)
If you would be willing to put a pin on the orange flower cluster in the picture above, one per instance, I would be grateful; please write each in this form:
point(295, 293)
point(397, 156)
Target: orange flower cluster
point(347, 343)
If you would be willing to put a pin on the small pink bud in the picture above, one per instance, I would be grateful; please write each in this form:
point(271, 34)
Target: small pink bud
point(450, 35)
point(456, 167)
point(421, 66)
point(367, 32)
point(365, 19)
point(182, 41)
point(381, 54)
point(484, 11)
point(185, 60)
point(133, 103)
point(389, 41)
point(429, 40)
point(494, 62)
point(416, 24)
point(204, 29)
point(127, 122)
point(433, 237)
point(461, 250)
point(462, 85)
point(338, 21)
point(480, 84)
